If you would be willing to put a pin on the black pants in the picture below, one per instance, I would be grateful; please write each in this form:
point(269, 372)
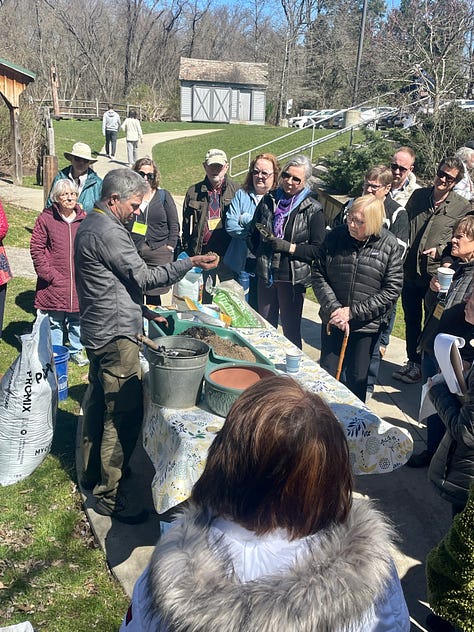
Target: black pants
point(3, 296)
point(413, 295)
point(359, 350)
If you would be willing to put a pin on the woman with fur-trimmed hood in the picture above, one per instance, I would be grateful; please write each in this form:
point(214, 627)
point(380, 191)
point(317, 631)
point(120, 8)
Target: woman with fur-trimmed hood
point(272, 539)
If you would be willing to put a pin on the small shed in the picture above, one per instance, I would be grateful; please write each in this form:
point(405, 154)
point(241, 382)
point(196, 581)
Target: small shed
point(13, 80)
point(223, 91)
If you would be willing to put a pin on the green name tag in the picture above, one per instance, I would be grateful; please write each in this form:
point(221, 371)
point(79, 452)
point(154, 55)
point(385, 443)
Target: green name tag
point(138, 228)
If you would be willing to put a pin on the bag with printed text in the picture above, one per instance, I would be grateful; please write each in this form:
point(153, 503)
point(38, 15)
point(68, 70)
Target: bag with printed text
point(28, 403)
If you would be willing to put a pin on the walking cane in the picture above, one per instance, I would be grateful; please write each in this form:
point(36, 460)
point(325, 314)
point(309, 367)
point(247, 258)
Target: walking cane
point(343, 349)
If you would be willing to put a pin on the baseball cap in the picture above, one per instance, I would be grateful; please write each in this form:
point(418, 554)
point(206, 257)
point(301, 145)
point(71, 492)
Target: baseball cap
point(215, 157)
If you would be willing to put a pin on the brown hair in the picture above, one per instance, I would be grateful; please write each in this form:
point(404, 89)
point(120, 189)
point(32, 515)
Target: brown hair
point(466, 225)
point(149, 163)
point(281, 460)
point(453, 162)
point(382, 173)
point(374, 213)
point(248, 182)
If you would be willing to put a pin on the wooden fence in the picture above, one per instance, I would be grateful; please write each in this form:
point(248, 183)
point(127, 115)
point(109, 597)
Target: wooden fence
point(82, 109)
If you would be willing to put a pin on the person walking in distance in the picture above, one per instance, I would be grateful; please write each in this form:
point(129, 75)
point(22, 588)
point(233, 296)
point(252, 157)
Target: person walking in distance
point(110, 128)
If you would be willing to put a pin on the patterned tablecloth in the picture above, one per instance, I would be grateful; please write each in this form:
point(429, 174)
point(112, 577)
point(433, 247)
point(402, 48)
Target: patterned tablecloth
point(177, 440)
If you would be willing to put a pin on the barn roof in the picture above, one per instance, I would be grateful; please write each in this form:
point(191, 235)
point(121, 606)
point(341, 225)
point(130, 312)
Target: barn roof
point(16, 72)
point(231, 72)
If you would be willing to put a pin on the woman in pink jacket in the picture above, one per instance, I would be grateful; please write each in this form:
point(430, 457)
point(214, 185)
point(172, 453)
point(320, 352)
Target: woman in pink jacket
point(5, 272)
point(52, 251)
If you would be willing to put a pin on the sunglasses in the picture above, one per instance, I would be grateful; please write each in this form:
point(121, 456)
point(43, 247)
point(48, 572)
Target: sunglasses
point(287, 176)
point(263, 174)
point(395, 167)
point(442, 174)
point(148, 176)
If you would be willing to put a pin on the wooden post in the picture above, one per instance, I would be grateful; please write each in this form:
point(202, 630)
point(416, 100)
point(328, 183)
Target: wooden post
point(15, 127)
point(54, 91)
point(50, 170)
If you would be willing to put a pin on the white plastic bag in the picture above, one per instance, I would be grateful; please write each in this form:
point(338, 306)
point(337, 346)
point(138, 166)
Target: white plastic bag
point(28, 404)
point(191, 285)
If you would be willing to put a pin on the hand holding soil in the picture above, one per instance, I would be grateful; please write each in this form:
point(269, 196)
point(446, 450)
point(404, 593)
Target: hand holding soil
point(206, 262)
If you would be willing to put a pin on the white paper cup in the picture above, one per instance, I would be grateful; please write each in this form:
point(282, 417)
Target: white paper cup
point(445, 276)
point(293, 361)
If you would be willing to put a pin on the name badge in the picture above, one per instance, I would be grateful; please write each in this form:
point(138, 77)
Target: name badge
point(139, 229)
point(212, 224)
point(438, 312)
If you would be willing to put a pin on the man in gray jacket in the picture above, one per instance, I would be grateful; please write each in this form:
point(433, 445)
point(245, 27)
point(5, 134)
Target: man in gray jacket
point(111, 279)
point(110, 128)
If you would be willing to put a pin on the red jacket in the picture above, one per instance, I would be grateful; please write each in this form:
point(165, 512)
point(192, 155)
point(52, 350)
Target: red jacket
point(52, 251)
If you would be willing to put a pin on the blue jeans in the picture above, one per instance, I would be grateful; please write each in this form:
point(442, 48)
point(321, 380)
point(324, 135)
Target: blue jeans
point(65, 322)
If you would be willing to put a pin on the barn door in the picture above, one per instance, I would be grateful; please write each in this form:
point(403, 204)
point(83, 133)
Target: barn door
point(211, 104)
point(245, 99)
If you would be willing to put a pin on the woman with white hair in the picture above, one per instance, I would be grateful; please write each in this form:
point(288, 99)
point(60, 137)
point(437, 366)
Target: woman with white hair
point(465, 187)
point(289, 227)
point(52, 251)
point(357, 280)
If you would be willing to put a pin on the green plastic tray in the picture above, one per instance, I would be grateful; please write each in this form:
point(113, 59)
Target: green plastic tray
point(177, 326)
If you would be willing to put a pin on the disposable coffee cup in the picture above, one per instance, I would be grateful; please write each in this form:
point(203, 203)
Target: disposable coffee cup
point(445, 276)
point(293, 361)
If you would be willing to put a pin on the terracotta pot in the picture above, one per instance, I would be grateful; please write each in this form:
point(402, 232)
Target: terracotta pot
point(226, 382)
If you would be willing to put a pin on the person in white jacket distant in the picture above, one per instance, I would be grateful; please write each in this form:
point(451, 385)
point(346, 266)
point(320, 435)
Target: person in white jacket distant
point(133, 133)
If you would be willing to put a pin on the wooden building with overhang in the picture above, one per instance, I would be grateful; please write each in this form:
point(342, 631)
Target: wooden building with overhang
point(13, 81)
point(223, 91)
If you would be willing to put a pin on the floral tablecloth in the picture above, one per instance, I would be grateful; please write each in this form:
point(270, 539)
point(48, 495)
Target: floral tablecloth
point(177, 440)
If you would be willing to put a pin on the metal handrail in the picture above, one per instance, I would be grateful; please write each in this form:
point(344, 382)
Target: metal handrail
point(318, 141)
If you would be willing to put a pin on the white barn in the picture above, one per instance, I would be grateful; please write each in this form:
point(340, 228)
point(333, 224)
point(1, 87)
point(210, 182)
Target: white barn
point(222, 91)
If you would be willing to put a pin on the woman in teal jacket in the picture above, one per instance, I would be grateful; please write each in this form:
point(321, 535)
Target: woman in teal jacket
point(80, 172)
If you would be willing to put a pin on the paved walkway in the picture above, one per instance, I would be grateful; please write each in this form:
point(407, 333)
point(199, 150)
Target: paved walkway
point(405, 495)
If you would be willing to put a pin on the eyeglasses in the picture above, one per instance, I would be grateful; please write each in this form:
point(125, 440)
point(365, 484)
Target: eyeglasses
point(287, 176)
point(374, 187)
point(148, 176)
point(262, 174)
point(395, 167)
point(63, 196)
point(442, 174)
point(354, 220)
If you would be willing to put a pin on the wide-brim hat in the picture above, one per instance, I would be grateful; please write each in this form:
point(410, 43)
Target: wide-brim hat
point(215, 157)
point(80, 150)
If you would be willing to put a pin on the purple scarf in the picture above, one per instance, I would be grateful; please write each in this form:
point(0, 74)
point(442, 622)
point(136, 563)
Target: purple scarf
point(283, 209)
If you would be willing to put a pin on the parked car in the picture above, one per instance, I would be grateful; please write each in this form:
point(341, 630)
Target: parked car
point(302, 121)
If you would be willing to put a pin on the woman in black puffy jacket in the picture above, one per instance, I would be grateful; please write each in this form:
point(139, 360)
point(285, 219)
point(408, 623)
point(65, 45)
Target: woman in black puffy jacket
point(357, 280)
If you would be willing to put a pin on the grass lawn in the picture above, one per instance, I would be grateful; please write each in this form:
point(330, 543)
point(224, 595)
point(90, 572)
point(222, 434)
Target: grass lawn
point(51, 571)
point(180, 161)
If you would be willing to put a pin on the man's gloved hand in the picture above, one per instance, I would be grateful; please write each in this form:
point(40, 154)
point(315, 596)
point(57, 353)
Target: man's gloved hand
point(280, 245)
